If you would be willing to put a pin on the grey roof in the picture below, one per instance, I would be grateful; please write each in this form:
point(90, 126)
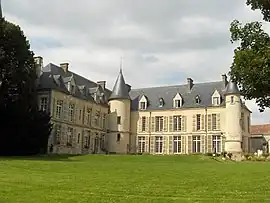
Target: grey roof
point(232, 88)
point(120, 89)
point(54, 77)
point(167, 93)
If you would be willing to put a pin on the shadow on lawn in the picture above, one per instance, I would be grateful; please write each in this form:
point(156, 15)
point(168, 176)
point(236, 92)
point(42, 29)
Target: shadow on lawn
point(48, 157)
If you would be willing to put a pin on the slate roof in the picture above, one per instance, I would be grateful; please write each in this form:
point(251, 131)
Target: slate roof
point(54, 77)
point(232, 88)
point(120, 89)
point(167, 93)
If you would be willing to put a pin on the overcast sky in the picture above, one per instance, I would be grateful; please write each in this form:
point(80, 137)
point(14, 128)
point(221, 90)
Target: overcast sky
point(162, 41)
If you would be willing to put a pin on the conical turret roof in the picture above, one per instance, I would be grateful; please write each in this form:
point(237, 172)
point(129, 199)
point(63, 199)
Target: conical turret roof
point(120, 90)
point(232, 88)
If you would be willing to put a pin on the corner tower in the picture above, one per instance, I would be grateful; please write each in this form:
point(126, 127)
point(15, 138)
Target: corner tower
point(119, 117)
point(233, 143)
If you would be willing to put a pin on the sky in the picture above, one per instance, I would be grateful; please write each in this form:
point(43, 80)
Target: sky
point(161, 42)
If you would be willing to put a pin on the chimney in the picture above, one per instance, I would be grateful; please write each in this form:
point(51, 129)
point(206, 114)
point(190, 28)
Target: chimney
point(39, 65)
point(64, 66)
point(224, 79)
point(102, 84)
point(190, 83)
point(128, 87)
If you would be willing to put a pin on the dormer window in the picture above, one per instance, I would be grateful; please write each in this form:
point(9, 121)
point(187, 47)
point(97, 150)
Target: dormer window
point(216, 101)
point(216, 98)
point(197, 100)
point(161, 102)
point(142, 105)
point(177, 101)
point(71, 88)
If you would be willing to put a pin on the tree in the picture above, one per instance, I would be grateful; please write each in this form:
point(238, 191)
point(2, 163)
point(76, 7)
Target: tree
point(251, 62)
point(25, 130)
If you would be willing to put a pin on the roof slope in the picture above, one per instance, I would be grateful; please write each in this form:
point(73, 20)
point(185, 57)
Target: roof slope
point(167, 93)
point(54, 77)
point(260, 129)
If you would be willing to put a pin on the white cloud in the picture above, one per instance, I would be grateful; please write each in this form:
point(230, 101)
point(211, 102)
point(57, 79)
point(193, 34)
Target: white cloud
point(162, 42)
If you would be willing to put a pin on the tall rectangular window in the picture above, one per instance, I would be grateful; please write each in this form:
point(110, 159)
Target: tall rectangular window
point(177, 144)
point(118, 120)
point(216, 143)
point(57, 134)
point(69, 136)
point(143, 124)
point(159, 123)
point(177, 120)
point(198, 121)
point(71, 112)
point(141, 144)
point(196, 144)
point(142, 105)
point(59, 108)
point(159, 144)
point(88, 116)
point(43, 103)
point(214, 121)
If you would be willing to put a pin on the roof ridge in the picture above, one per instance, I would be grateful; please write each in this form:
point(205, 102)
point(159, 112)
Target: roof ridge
point(200, 83)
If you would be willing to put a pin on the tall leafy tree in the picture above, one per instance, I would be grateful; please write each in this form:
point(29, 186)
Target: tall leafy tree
point(25, 130)
point(251, 62)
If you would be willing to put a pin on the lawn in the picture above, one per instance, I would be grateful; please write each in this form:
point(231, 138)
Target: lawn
point(138, 179)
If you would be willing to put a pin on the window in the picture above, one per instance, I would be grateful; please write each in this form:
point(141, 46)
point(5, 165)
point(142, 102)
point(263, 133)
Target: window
point(232, 99)
point(176, 144)
point(161, 102)
point(87, 139)
point(216, 143)
point(141, 144)
point(80, 115)
point(142, 105)
point(216, 101)
point(158, 144)
point(143, 124)
point(79, 138)
point(72, 89)
point(118, 137)
point(43, 103)
point(248, 124)
point(59, 107)
point(177, 103)
point(71, 112)
point(198, 121)
point(214, 121)
point(177, 123)
point(57, 133)
point(197, 100)
point(159, 123)
point(104, 121)
point(97, 117)
point(88, 118)
point(118, 120)
point(69, 136)
point(196, 144)
point(243, 122)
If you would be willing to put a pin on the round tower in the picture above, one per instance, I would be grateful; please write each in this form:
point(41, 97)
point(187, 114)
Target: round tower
point(119, 117)
point(233, 117)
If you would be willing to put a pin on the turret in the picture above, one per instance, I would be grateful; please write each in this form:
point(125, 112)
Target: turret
point(1, 15)
point(119, 118)
point(233, 116)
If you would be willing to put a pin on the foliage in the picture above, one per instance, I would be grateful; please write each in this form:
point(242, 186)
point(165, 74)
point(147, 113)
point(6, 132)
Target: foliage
point(24, 129)
point(114, 178)
point(262, 5)
point(251, 62)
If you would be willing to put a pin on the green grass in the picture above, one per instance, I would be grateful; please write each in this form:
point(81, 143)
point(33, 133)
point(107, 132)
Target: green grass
point(138, 179)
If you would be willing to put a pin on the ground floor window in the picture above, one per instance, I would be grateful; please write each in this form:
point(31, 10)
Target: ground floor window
point(159, 144)
point(141, 144)
point(196, 144)
point(216, 143)
point(87, 139)
point(57, 134)
point(69, 136)
point(176, 144)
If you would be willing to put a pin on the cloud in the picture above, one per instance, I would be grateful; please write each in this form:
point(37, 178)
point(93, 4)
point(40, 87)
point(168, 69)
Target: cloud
point(162, 42)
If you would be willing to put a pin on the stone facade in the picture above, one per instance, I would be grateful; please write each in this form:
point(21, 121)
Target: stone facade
point(182, 119)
